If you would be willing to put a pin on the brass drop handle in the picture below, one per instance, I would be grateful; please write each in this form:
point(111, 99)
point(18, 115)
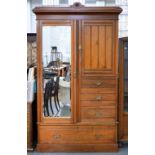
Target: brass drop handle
point(98, 83)
point(98, 98)
point(57, 136)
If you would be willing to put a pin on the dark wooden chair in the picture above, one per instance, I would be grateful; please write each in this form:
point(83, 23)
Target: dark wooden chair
point(51, 90)
point(54, 93)
point(47, 97)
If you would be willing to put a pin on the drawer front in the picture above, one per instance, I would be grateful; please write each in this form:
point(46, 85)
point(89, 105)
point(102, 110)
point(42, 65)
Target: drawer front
point(98, 90)
point(76, 135)
point(97, 103)
point(91, 114)
point(98, 97)
point(98, 83)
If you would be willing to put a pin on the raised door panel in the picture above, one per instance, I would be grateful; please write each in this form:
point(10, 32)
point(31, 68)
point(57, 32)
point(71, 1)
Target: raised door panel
point(98, 47)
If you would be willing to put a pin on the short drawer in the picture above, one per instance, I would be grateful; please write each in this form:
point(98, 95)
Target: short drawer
point(98, 83)
point(97, 103)
point(98, 90)
point(77, 135)
point(98, 97)
point(98, 114)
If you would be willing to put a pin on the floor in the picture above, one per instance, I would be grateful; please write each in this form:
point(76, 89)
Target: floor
point(122, 151)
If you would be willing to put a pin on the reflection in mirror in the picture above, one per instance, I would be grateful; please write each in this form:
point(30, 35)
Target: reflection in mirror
point(56, 56)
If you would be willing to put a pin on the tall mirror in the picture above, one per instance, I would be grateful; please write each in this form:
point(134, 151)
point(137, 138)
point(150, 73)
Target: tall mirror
point(56, 57)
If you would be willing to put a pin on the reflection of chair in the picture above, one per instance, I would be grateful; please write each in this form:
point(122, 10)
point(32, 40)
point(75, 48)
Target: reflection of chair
point(47, 97)
point(51, 90)
point(54, 92)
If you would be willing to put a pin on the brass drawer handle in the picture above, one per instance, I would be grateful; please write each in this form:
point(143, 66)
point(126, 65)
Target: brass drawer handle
point(98, 114)
point(98, 98)
point(98, 83)
point(57, 136)
point(98, 136)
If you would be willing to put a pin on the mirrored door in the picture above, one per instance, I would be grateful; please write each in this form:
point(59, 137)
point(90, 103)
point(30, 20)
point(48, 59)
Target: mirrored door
point(56, 62)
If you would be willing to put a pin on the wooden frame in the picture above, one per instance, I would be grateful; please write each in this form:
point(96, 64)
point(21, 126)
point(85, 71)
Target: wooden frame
point(40, 72)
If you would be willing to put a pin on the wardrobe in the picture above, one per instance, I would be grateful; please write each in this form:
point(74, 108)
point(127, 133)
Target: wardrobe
point(82, 43)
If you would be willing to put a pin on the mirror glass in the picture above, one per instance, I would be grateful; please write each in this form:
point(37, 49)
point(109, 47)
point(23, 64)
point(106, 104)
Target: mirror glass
point(56, 57)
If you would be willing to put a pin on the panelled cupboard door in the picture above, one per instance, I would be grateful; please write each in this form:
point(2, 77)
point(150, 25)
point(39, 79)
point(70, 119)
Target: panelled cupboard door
point(98, 52)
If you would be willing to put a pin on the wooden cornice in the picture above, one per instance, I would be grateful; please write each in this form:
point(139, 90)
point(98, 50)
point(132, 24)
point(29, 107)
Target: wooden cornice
point(76, 8)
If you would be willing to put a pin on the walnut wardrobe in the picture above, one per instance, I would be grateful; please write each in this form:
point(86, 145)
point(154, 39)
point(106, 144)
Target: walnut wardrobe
point(77, 78)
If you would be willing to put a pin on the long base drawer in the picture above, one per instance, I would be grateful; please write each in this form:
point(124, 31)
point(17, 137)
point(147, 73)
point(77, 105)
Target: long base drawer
point(77, 134)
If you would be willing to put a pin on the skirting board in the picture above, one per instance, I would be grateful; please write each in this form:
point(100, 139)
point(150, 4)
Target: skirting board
point(77, 147)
